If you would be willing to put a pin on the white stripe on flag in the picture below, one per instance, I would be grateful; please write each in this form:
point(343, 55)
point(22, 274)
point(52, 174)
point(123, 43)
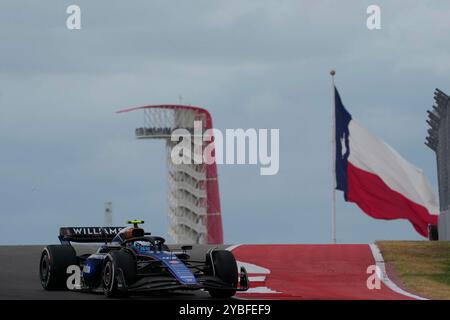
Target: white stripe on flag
point(369, 153)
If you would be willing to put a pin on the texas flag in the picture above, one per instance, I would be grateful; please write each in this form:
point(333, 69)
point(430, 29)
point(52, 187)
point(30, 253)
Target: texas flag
point(375, 177)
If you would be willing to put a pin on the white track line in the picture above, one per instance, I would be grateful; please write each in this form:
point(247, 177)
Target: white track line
point(384, 277)
point(231, 248)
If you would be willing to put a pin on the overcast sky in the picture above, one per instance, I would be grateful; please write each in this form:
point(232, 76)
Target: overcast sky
point(253, 64)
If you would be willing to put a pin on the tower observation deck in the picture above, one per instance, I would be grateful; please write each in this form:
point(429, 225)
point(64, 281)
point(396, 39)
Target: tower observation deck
point(193, 189)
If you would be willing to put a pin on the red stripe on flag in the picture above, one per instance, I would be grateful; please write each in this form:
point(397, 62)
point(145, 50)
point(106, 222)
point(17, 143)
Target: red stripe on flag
point(379, 201)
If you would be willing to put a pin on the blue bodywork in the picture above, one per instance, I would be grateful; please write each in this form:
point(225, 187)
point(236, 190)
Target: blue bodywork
point(93, 265)
point(176, 267)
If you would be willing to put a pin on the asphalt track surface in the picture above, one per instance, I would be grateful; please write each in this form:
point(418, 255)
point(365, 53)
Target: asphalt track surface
point(312, 272)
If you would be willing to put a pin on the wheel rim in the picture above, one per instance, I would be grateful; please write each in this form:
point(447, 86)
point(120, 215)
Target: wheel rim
point(44, 269)
point(108, 275)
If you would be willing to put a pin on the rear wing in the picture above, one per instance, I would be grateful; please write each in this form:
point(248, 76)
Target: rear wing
point(88, 234)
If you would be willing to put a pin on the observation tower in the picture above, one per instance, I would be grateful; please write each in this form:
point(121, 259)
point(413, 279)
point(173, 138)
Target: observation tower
point(193, 189)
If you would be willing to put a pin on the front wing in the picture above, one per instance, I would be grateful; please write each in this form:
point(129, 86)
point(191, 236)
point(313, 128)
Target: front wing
point(169, 283)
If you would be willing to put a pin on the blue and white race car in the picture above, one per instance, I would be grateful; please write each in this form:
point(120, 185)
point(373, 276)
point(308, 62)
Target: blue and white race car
point(132, 261)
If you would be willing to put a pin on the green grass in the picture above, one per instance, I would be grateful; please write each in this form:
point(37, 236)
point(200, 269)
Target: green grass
point(422, 266)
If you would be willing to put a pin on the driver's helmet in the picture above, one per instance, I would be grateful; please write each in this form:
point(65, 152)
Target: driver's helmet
point(141, 246)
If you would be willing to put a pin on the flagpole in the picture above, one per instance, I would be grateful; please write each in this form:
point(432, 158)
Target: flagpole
point(333, 162)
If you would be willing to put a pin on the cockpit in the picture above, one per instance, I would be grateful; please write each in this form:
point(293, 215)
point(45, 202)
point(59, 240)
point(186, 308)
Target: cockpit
point(137, 239)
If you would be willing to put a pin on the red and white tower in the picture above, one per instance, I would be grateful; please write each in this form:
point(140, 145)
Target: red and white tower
point(193, 194)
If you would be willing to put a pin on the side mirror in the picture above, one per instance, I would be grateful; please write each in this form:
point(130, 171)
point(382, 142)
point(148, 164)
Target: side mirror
point(185, 248)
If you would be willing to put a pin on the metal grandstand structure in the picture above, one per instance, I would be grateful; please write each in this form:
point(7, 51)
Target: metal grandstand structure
point(438, 141)
point(193, 193)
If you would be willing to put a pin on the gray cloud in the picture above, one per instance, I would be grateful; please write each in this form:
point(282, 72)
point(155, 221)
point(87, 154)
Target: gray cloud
point(253, 64)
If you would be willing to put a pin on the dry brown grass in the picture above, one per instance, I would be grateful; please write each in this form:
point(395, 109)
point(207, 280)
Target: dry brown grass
point(422, 266)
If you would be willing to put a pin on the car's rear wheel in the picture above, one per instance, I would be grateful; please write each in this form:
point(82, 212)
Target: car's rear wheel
point(119, 266)
point(55, 259)
point(223, 265)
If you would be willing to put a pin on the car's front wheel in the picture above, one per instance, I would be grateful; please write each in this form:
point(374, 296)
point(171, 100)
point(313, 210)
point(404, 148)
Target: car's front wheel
point(119, 266)
point(223, 265)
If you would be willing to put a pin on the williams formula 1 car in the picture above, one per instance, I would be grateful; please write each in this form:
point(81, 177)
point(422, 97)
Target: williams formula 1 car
point(132, 261)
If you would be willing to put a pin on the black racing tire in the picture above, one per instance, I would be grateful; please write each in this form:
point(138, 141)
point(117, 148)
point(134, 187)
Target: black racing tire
point(118, 261)
point(225, 268)
point(55, 259)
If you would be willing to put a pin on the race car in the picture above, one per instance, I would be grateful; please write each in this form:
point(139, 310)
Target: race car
point(132, 261)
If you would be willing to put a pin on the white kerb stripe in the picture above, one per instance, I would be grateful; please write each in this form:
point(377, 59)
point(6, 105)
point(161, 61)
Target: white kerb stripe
point(371, 154)
point(384, 277)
